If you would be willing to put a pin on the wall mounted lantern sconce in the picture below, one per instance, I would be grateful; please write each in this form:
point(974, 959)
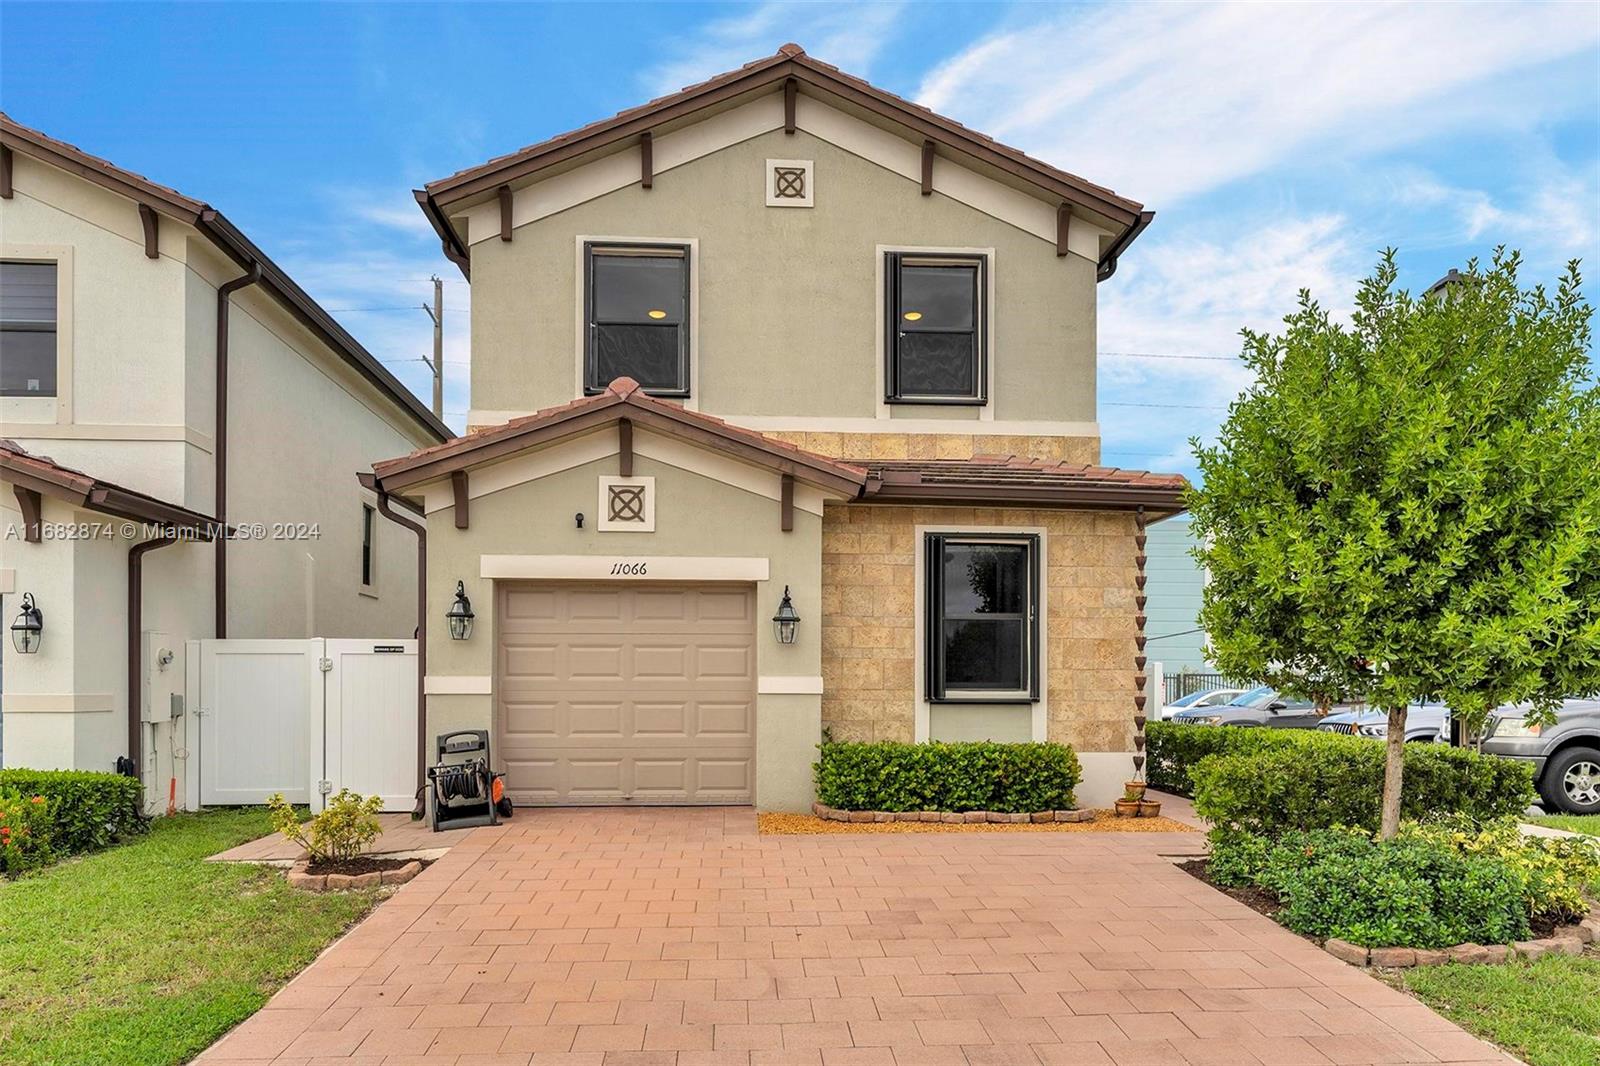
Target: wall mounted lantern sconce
point(787, 621)
point(28, 629)
point(460, 614)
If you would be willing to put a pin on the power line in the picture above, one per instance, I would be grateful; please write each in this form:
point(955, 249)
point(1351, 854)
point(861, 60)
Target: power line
point(1172, 355)
point(1177, 406)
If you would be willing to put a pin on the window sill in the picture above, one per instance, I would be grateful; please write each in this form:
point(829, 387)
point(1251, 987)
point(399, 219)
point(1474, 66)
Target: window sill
point(934, 401)
point(985, 700)
point(369, 591)
point(660, 394)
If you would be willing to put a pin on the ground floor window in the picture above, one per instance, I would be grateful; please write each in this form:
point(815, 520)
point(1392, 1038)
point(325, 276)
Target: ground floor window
point(982, 620)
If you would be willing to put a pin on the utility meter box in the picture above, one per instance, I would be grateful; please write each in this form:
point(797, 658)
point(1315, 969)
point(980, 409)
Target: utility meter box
point(163, 678)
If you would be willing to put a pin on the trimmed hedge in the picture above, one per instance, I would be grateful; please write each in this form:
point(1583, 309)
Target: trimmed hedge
point(1410, 892)
point(88, 810)
point(1174, 749)
point(1327, 779)
point(936, 776)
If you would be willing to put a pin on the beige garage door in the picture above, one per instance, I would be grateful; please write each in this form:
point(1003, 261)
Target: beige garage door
point(626, 694)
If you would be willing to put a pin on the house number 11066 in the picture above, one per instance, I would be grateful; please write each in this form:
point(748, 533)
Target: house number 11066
point(629, 569)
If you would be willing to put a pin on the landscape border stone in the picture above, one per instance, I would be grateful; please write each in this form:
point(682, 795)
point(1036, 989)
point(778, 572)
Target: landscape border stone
point(835, 814)
point(1568, 940)
point(302, 878)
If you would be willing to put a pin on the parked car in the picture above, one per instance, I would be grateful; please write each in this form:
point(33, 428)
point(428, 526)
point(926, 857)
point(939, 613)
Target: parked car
point(1425, 723)
point(1565, 756)
point(1212, 698)
point(1262, 706)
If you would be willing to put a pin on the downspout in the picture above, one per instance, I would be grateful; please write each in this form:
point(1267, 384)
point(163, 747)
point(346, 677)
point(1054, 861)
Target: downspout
point(135, 651)
point(219, 444)
point(421, 531)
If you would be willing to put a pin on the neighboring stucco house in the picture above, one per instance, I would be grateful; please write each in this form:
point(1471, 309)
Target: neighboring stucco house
point(1176, 586)
point(781, 337)
point(112, 363)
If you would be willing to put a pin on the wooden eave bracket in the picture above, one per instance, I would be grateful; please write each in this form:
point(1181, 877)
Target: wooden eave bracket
point(927, 168)
point(786, 503)
point(624, 447)
point(647, 165)
point(791, 91)
point(31, 504)
point(1063, 228)
point(152, 231)
point(5, 172)
point(504, 193)
point(458, 487)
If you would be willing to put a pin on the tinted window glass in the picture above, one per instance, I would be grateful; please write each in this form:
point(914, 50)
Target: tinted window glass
point(935, 343)
point(982, 618)
point(638, 319)
point(27, 329)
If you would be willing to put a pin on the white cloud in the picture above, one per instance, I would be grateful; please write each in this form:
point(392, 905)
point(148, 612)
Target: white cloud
point(1189, 298)
point(846, 35)
point(1550, 216)
point(1167, 101)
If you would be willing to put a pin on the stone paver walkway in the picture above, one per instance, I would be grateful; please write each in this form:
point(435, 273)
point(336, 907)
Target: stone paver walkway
point(682, 938)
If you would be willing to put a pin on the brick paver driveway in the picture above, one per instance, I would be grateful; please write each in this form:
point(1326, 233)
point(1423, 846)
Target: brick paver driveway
point(681, 937)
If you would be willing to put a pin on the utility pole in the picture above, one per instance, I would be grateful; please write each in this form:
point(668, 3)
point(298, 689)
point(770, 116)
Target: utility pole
point(436, 312)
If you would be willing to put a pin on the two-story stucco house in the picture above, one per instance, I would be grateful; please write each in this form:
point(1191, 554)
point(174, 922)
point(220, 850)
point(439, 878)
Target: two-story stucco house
point(780, 343)
point(160, 377)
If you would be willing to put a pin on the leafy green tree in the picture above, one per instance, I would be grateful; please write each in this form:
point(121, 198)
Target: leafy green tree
point(1408, 507)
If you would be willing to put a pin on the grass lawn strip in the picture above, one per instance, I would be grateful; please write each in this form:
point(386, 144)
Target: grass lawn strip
point(778, 824)
point(146, 954)
point(1546, 1013)
point(1572, 823)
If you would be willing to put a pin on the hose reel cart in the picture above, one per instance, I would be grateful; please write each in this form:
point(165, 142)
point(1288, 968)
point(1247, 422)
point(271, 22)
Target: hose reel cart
point(462, 789)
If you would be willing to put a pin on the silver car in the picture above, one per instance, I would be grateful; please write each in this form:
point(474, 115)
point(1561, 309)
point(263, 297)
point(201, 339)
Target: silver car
point(1425, 723)
point(1565, 756)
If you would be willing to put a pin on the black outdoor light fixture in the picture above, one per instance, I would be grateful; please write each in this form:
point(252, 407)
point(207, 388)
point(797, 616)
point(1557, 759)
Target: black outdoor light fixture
point(787, 620)
point(460, 614)
point(28, 628)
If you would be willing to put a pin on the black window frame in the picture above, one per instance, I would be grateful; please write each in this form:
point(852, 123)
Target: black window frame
point(592, 386)
point(893, 264)
point(38, 326)
point(934, 616)
point(369, 546)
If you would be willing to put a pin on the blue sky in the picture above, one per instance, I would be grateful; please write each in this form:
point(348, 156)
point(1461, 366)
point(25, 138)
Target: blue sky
point(1281, 145)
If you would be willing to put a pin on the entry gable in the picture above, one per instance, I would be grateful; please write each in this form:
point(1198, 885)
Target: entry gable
point(621, 408)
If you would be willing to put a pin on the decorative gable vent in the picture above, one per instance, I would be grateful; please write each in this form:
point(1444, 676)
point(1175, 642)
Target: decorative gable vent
point(627, 504)
point(790, 182)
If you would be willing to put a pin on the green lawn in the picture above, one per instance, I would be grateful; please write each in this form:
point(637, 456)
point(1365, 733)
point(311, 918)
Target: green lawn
point(144, 954)
point(1576, 823)
point(1546, 1013)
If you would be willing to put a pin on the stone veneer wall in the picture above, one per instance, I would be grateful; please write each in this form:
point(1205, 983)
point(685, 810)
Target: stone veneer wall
point(1084, 450)
point(869, 628)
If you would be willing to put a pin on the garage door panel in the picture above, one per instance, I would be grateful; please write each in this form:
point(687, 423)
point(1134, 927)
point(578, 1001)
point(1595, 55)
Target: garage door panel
point(713, 661)
point(724, 720)
point(622, 694)
point(530, 719)
point(661, 662)
point(594, 661)
point(589, 721)
point(529, 662)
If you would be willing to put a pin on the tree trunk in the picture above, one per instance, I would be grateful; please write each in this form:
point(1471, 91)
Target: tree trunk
point(1394, 766)
point(1324, 705)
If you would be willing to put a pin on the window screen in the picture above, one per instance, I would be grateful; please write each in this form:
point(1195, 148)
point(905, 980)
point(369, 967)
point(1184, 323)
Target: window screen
point(638, 317)
point(27, 329)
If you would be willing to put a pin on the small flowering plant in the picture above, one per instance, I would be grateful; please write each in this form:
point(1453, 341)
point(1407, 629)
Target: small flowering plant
point(24, 833)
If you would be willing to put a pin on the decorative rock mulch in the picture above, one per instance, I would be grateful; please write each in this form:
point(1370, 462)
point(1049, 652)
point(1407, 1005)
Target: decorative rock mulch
point(834, 814)
point(302, 878)
point(1568, 940)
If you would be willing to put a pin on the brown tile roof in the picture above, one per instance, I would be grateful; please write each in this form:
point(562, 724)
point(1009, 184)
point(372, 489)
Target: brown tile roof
point(1019, 479)
point(790, 61)
point(213, 225)
point(623, 398)
point(40, 473)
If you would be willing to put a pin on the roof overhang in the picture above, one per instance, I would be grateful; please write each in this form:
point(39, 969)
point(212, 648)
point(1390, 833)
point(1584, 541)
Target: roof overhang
point(227, 237)
point(39, 474)
point(440, 199)
point(623, 401)
point(977, 483)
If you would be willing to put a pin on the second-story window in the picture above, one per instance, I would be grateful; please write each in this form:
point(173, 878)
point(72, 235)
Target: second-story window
point(935, 312)
point(637, 308)
point(27, 328)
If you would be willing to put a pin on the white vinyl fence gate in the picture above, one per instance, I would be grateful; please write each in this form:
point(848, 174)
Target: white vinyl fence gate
point(305, 718)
